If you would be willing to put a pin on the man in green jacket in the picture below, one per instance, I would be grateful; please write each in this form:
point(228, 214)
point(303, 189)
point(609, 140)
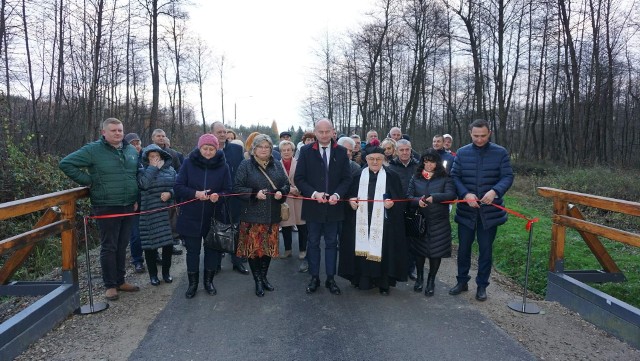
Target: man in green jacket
point(109, 166)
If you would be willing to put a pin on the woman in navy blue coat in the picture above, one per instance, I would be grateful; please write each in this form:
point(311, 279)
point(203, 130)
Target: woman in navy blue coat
point(430, 186)
point(204, 175)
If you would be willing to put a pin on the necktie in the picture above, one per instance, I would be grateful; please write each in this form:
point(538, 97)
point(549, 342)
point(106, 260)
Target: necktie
point(326, 169)
point(324, 157)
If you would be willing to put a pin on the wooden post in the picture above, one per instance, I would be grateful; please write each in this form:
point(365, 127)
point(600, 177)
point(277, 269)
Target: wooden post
point(558, 234)
point(69, 244)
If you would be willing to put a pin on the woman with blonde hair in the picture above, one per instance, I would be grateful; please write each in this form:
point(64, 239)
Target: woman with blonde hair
point(247, 145)
point(389, 146)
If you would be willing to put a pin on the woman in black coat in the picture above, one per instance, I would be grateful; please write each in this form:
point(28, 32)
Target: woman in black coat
point(427, 189)
point(264, 185)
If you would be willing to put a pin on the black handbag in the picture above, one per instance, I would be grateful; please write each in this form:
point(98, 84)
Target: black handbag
point(415, 225)
point(223, 237)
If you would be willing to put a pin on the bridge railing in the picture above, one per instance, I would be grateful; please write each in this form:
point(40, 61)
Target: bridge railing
point(567, 286)
point(59, 298)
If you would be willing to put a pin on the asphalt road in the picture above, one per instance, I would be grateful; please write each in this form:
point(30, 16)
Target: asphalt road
point(288, 324)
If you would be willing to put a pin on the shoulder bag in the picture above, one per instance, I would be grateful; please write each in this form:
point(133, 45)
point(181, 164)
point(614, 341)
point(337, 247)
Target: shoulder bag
point(415, 224)
point(284, 207)
point(223, 237)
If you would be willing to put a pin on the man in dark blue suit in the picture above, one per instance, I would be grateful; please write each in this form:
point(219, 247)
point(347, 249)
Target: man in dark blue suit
point(323, 173)
point(234, 154)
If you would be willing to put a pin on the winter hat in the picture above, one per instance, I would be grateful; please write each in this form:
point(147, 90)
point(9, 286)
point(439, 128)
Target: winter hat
point(375, 150)
point(208, 139)
point(131, 137)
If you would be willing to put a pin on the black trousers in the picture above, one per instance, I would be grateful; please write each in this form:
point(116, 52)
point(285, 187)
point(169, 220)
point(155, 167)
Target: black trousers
point(114, 238)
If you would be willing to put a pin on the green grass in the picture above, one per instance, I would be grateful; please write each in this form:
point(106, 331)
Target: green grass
point(510, 246)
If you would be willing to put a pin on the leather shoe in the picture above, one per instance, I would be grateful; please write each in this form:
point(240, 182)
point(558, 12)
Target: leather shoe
point(304, 266)
point(332, 286)
point(128, 287)
point(154, 281)
point(481, 294)
point(384, 291)
point(313, 285)
point(459, 288)
point(111, 294)
point(241, 269)
point(167, 278)
point(286, 254)
point(138, 267)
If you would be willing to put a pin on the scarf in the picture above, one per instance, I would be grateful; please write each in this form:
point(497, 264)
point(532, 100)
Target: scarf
point(369, 239)
point(287, 164)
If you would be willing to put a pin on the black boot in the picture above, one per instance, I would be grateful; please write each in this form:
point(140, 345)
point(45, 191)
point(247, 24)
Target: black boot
point(208, 282)
point(434, 265)
point(193, 284)
point(417, 287)
point(431, 284)
point(256, 270)
point(264, 265)
point(150, 257)
point(166, 265)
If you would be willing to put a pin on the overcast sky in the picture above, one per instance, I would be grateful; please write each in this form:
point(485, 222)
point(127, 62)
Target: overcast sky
point(269, 48)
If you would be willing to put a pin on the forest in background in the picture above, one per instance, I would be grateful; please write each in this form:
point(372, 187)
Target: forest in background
point(558, 81)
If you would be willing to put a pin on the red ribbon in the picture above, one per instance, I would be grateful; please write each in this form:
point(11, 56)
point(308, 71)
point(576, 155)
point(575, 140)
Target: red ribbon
point(116, 215)
point(530, 221)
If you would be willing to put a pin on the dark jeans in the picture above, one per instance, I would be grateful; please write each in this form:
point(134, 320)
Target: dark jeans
point(193, 246)
point(287, 237)
point(485, 239)
point(329, 231)
point(135, 244)
point(114, 237)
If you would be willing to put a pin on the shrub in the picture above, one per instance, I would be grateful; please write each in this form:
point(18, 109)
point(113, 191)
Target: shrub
point(31, 176)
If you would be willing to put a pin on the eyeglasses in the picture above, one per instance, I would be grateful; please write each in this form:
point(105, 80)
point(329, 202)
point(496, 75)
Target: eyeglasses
point(264, 147)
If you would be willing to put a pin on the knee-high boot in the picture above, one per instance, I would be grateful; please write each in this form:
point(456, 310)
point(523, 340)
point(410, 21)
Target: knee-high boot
point(194, 277)
point(264, 265)
point(256, 270)
point(434, 265)
point(208, 281)
point(417, 287)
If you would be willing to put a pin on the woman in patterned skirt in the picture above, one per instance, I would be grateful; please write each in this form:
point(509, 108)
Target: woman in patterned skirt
point(265, 186)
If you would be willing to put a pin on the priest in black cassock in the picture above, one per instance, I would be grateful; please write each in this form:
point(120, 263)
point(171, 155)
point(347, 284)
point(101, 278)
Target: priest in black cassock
point(373, 251)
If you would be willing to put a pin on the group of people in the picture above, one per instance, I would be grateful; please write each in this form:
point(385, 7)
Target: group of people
point(362, 201)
